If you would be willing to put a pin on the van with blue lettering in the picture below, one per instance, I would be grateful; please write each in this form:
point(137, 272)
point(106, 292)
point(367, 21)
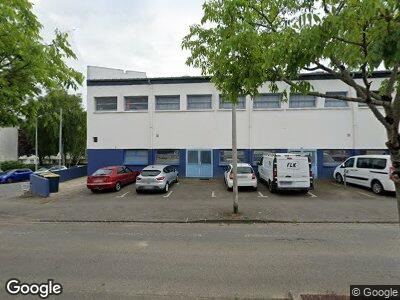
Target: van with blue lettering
point(286, 171)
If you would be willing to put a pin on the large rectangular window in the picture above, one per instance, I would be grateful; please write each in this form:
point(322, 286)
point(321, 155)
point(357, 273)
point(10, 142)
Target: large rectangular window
point(334, 158)
point(331, 102)
point(225, 104)
point(371, 163)
point(302, 101)
point(225, 156)
point(258, 154)
point(136, 157)
point(267, 101)
point(135, 103)
point(168, 102)
point(167, 156)
point(106, 103)
point(199, 102)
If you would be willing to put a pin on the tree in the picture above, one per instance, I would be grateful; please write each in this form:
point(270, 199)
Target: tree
point(245, 43)
point(27, 64)
point(48, 116)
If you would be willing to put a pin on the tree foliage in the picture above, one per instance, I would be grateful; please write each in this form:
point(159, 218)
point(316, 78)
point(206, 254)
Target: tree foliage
point(48, 117)
point(27, 64)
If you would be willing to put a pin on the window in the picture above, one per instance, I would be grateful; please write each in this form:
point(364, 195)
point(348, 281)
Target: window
point(136, 103)
point(349, 163)
point(331, 102)
point(106, 103)
point(267, 101)
point(136, 157)
point(301, 101)
point(167, 156)
point(95, 139)
point(333, 158)
point(258, 155)
point(167, 102)
point(373, 152)
point(371, 163)
point(225, 156)
point(224, 104)
point(199, 102)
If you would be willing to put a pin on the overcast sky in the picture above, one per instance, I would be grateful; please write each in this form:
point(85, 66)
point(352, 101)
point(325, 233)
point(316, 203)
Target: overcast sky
point(125, 34)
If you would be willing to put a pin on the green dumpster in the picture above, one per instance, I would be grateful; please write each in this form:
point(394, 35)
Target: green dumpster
point(54, 180)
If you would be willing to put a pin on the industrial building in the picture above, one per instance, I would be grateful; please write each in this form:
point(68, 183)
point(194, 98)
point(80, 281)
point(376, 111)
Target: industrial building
point(183, 121)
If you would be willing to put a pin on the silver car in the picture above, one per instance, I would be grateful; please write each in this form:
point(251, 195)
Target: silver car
point(156, 177)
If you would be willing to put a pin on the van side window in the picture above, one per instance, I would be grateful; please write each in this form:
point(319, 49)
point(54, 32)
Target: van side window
point(349, 163)
point(364, 163)
point(378, 163)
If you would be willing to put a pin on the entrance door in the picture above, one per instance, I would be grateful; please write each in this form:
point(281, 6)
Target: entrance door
point(199, 163)
point(312, 154)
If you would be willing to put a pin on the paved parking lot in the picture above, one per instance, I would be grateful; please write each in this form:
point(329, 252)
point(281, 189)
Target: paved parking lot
point(199, 200)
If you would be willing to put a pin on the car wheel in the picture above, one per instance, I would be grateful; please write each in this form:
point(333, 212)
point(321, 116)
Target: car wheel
point(9, 180)
point(377, 187)
point(177, 179)
point(339, 178)
point(255, 188)
point(138, 191)
point(166, 189)
point(118, 186)
point(271, 187)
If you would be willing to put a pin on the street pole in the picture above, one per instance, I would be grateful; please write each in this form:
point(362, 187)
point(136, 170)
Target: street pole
point(60, 140)
point(234, 161)
point(36, 145)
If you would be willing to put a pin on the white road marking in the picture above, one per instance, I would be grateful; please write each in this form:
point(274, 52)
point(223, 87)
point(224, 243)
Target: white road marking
point(361, 193)
point(123, 195)
point(260, 195)
point(312, 195)
point(213, 194)
point(167, 195)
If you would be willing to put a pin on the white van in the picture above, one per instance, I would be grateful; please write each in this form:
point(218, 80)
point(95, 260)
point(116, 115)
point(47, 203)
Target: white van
point(371, 171)
point(286, 171)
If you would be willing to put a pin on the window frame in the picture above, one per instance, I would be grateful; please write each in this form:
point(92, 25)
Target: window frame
point(347, 155)
point(198, 96)
point(104, 98)
point(168, 162)
point(224, 163)
point(146, 98)
point(332, 100)
point(136, 162)
point(302, 107)
point(279, 95)
point(163, 97)
point(221, 103)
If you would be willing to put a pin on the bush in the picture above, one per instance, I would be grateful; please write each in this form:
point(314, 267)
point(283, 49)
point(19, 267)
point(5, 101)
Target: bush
point(11, 164)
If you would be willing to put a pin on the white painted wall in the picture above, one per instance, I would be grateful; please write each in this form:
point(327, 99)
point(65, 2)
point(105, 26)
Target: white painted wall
point(8, 143)
point(94, 72)
point(314, 128)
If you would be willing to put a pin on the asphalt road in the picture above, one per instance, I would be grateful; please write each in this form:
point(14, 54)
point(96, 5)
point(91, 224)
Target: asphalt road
point(179, 261)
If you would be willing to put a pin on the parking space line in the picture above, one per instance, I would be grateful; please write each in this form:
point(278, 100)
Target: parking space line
point(123, 195)
point(365, 194)
point(213, 194)
point(312, 195)
point(260, 195)
point(167, 195)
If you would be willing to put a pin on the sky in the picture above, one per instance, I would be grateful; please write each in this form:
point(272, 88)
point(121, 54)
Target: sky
point(125, 34)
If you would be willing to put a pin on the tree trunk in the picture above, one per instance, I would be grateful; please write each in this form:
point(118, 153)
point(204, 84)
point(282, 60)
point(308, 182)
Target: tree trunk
point(234, 162)
point(394, 148)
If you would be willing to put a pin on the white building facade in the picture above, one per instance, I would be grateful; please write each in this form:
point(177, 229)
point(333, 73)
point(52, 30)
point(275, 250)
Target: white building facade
point(136, 121)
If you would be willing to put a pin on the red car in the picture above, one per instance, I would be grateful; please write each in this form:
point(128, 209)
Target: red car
point(108, 178)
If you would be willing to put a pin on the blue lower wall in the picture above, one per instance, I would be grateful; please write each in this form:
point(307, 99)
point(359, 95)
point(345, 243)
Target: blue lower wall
point(98, 158)
point(72, 173)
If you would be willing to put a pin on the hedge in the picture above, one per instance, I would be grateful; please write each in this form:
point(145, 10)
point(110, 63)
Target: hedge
point(11, 164)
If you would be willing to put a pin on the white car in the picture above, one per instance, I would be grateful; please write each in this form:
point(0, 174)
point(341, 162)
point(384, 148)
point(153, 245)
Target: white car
point(156, 177)
point(286, 171)
point(371, 171)
point(246, 176)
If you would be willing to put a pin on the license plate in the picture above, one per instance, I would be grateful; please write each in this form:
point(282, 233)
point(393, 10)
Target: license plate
point(98, 180)
point(285, 182)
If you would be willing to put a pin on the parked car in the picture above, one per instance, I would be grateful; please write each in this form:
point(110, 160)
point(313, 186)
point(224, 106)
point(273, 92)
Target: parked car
point(113, 177)
point(246, 177)
point(156, 177)
point(371, 171)
point(286, 171)
point(15, 175)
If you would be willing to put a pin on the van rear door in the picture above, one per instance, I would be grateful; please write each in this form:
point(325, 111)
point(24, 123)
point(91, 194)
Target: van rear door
point(293, 172)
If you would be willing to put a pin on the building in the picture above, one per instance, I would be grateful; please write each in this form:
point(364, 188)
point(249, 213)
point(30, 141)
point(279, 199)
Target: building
point(8, 143)
point(135, 120)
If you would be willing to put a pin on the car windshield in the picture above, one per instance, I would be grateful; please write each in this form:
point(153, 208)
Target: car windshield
point(102, 172)
point(150, 172)
point(245, 170)
point(10, 171)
